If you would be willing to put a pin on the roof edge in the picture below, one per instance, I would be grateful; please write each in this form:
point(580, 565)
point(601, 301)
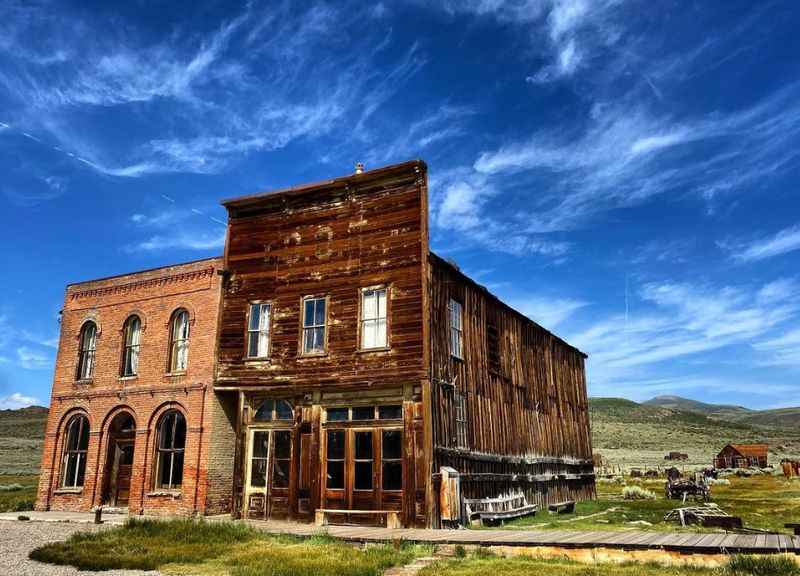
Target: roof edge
point(145, 271)
point(496, 298)
point(365, 176)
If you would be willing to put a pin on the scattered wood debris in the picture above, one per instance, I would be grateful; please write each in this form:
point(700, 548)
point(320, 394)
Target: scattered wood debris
point(705, 515)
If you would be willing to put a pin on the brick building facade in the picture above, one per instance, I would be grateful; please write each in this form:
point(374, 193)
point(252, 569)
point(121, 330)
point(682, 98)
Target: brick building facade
point(133, 396)
point(327, 363)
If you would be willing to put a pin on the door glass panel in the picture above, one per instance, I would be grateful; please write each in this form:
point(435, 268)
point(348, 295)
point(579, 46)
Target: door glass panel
point(391, 444)
point(283, 457)
point(363, 460)
point(335, 468)
point(258, 464)
point(391, 463)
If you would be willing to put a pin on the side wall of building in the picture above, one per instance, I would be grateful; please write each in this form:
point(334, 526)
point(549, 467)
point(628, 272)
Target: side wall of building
point(153, 296)
point(524, 393)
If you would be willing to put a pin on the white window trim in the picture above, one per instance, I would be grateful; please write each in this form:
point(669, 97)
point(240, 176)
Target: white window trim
point(263, 330)
point(374, 322)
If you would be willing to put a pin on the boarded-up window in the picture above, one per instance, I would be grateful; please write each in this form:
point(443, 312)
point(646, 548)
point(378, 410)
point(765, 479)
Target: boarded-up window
point(456, 329)
point(460, 413)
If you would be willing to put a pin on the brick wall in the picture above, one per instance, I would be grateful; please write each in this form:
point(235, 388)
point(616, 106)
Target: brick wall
point(153, 295)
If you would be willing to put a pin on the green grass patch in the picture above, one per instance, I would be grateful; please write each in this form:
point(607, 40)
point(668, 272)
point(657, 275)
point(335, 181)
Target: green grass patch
point(17, 493)
point(766, 502)
point(479, 565)
point(211, 548)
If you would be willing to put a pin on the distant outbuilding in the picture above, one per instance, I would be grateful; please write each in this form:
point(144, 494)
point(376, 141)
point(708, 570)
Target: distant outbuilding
point(676, 456)
point(742, 456)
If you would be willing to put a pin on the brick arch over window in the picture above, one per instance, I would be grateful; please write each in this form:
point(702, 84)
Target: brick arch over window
point(114, 412)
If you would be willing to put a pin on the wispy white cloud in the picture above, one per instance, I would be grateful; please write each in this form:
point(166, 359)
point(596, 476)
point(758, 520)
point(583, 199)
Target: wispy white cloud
point(678, 320)
point(782, 350)
point(31, 359)
point(624, 155)
point(547, 311)
point(215, 83)
point(17, 400)
point(458, 200)
point(202, 241)
point(783, 242)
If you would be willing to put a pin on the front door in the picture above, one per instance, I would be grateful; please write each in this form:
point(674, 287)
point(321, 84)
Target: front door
point(363, 470)
point(269, 466)
point(124, 469)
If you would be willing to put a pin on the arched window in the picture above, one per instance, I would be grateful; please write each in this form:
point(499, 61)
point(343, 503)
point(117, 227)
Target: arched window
point(179, 341)
point(86, 351)
point(169, 455)
point(131, 333)
point(76, 443)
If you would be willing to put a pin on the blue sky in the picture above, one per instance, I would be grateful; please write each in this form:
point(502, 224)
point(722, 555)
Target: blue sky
point(624, 172)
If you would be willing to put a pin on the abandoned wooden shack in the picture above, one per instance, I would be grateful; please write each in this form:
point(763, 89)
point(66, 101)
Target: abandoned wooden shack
point(676, 456)
point(742, 456)
point(353, 365)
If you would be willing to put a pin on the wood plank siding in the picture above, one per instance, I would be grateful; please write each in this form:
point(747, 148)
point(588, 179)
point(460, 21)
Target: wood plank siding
point(331, 240)
point(524, 391)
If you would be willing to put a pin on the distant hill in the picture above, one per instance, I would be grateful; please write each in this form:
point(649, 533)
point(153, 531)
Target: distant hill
point(21, 439)
point(685, 404)
point(781, 417)
point(632, 434)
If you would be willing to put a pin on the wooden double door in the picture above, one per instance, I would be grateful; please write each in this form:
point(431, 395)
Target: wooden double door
point(362, 468)
point(269, 473)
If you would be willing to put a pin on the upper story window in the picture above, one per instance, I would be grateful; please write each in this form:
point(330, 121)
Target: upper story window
point(131, 334)
point(456, 329)
point(86, 351)
point(76, 444)
point(258, 330)
point(179, 341)
point(314, 325)
point(373, 318)
point(169, 452)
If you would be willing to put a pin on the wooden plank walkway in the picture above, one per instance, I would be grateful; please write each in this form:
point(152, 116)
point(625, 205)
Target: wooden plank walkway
point(685, 543)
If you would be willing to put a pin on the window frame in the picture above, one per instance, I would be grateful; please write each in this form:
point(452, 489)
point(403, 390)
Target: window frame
point(172, 355)
point(262, 329)
point(460, 420)
point(451, 304)
point(386, 288)
point(126, 347)
point(171, 451)
point(79, 453)
point(325, 326)
point(84, 352)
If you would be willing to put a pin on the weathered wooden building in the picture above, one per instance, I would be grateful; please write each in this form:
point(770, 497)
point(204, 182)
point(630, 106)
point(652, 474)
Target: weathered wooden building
point(361, 363)
point(350, 365)
point(742, 456)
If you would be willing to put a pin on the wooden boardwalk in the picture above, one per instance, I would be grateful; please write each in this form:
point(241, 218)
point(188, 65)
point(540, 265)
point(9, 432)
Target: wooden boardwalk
point(682, 542)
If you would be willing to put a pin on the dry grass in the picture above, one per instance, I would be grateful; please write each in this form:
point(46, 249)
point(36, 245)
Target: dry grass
point(17, 493)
